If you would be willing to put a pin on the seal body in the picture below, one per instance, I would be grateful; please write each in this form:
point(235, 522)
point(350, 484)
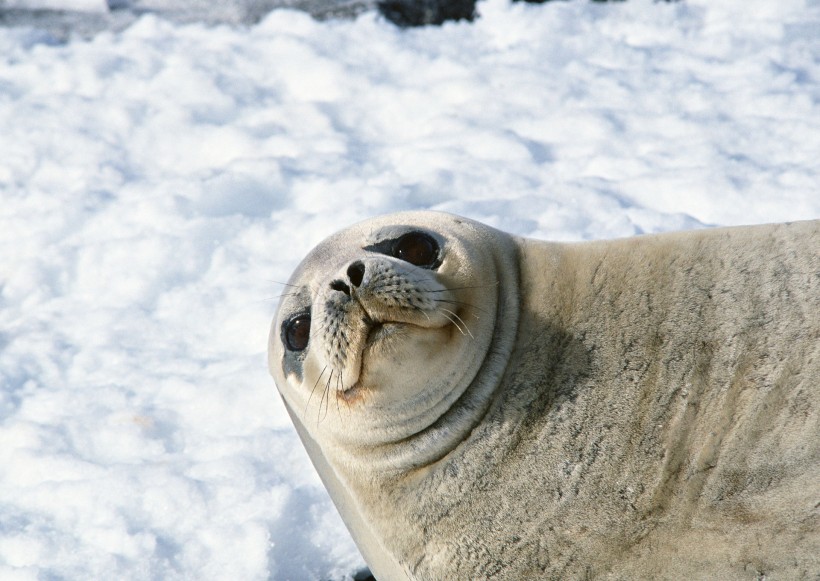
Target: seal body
point(637, 408)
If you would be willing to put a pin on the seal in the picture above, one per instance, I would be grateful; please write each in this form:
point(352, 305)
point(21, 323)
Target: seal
point(484, 406)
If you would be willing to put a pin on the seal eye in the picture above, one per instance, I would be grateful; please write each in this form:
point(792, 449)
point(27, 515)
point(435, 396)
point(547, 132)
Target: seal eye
point(297, 332)
point(417, 248)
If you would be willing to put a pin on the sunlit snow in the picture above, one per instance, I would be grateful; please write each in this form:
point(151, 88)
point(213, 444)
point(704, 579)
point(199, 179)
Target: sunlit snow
point(157, 186)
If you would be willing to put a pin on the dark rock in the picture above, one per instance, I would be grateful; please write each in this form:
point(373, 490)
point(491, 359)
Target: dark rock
point(363, 575)
point(406, 13)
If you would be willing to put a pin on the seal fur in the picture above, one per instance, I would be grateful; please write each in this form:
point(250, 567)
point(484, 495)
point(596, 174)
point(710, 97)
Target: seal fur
point(637, 408)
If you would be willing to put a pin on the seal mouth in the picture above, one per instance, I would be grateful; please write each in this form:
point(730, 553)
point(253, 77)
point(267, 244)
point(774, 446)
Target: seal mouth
point(351, 394)
point(377, 332)
point(374, 333)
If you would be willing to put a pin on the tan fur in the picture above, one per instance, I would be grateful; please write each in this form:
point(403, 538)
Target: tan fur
point(657, 418)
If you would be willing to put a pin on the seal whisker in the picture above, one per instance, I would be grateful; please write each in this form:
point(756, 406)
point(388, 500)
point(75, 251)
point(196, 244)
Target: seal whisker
point(466, 328)
point(463, 304)
point(325, 394)
point(455, 288)
point(466, 287)
point(318, 379)
point(338, 387)
point(456, 325)
point(286, 294)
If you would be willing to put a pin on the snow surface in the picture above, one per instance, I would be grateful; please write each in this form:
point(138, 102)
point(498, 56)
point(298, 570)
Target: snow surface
point(159, 184)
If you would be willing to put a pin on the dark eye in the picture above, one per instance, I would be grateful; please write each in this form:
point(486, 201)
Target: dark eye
point(417, 248)
point(297, 332)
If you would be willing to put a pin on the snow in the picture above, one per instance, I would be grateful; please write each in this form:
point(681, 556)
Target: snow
point(160, 183)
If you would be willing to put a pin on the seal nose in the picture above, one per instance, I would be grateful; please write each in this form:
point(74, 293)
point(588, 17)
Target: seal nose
point(355, 272)
point(339, 285)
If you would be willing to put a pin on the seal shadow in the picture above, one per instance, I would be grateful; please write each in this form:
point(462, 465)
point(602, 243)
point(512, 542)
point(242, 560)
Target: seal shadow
point(550, 364)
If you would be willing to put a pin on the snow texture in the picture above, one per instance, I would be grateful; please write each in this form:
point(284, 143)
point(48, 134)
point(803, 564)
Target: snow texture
point(85, 18)
point(160, 183)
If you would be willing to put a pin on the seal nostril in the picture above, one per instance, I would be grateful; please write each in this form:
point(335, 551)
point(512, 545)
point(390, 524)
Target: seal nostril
point(339, 285)
point(355, 272)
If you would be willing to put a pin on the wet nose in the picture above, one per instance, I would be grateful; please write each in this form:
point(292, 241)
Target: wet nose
point(355, 273)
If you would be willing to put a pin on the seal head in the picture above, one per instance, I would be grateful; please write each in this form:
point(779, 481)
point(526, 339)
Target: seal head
point(393, 334)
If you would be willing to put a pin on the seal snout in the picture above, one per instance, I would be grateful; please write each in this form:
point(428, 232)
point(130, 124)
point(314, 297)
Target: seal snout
point(355, 274)
point(341, 286)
